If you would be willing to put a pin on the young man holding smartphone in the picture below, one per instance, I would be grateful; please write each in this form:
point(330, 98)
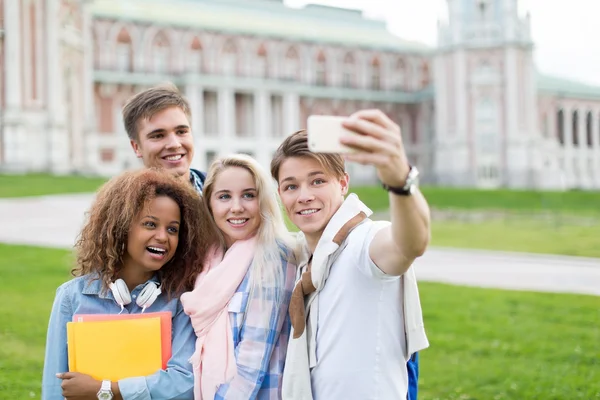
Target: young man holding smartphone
point(356, 314)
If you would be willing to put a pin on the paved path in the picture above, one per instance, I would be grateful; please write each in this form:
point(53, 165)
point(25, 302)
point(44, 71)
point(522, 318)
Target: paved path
point(54, 221)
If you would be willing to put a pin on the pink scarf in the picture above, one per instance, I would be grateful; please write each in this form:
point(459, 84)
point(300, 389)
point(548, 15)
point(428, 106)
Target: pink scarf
point(214, 359)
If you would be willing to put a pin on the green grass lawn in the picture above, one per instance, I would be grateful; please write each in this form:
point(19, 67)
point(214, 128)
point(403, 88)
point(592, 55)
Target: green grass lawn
point(524, 235)
point(485, 344)
point(43, 184)
point(374, 196)
point(504, 345)
point(556, 234)
point(576, 202)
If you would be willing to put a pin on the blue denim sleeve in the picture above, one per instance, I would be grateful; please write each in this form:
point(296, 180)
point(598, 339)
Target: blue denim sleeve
point(56, 359)
point(177, 381)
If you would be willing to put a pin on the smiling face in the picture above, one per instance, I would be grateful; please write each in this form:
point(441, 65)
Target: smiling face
point(165, 141)
point(310, 194)
point(234, 204)
point(153, 237)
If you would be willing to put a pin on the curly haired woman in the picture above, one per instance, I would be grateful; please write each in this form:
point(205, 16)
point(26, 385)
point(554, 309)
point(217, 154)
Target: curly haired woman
point(146, 231)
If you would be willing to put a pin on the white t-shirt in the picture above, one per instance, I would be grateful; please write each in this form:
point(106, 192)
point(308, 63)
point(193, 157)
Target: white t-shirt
point(361, 338)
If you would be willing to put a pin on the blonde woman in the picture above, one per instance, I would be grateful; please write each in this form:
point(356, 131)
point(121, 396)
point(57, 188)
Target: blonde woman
point(240, 301)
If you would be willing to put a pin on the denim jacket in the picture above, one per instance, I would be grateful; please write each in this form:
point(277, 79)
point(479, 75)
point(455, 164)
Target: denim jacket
point(84, 296)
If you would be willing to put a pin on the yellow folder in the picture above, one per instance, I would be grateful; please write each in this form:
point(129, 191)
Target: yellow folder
point(115, 349)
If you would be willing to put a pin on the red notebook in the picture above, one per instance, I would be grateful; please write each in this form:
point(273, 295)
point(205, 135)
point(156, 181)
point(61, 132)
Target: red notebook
point(165, 327)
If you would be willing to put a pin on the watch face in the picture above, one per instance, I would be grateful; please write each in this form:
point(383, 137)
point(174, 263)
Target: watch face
point(105, 396)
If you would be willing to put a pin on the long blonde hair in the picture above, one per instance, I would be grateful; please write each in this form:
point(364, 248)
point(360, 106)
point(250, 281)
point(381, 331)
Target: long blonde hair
point(273, 239)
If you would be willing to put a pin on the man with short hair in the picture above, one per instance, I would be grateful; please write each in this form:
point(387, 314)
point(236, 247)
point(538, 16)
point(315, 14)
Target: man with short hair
point(356, 314)
point(158, 123)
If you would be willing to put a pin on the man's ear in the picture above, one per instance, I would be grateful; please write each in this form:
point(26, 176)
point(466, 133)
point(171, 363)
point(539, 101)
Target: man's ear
point(345, 183)
point(136, 148)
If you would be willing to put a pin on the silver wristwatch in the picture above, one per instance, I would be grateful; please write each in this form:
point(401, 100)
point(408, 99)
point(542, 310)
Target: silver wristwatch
point(105, 392)
point(412, 181)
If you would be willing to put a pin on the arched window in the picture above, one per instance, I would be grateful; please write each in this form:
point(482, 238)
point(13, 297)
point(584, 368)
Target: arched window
point(400, 75)
point(375, 74)
point(161, 53)
point(262, 65)
point(349, 71)
point(424, 74)
point(124, 52)
point(194, 59)
point(560, 118)
point(321, 70)
point(230, 53)
point(291, 67)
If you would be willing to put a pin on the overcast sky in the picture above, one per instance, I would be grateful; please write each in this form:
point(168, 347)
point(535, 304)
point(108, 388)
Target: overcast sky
point(566, 42)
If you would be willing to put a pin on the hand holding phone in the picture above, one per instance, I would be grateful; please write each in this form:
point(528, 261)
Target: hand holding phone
point(324, 133)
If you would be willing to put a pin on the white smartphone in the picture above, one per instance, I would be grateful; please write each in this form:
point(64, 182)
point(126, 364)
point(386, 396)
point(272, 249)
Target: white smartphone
point(324, 133)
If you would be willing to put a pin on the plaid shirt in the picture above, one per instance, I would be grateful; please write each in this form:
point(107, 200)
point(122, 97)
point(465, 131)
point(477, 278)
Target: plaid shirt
point(261, 328)
point(197, 180)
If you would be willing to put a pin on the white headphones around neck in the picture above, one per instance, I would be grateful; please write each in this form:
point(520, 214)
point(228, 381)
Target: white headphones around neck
point(122, 296)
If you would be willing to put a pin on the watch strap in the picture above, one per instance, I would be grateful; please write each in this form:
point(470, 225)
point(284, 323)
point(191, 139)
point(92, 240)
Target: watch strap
point(407, 189)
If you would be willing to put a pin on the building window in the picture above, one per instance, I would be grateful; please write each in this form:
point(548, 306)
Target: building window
point(424, 74)
point(588, 129)
point(321, 70)
point(230, 58)
point(210, 157)
point(486, 126)
point(400, 75)
point(291, 65)
point(194, 58)
point(488, 172)
point(277, 116)
point(211, 114)
point(560, 127)
point(124, 52)
point(161, 54)
point(375, 74)
point(575, 122)
point(124, 57)
point(262, 63)
point(349, 71)
point(107, 155)
point(194, 61)
point(244, 115)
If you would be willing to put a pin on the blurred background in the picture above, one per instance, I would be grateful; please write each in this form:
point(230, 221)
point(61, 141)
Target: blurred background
point(499, 106)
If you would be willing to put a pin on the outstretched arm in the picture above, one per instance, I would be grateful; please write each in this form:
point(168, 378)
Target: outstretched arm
point(394, 248)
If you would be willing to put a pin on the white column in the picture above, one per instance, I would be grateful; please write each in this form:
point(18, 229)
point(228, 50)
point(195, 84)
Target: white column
point(532, 100)
point(26, 44)
point(291, 113)
point(88, 70)
point(226, 113)
point(262, 127)
point(57, 140)
point(462, 170)
point(12, 55)
point(582, 153)
point(14, 141)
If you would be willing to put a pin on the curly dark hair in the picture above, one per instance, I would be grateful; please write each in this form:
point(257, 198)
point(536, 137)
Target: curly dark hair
point(101, 243)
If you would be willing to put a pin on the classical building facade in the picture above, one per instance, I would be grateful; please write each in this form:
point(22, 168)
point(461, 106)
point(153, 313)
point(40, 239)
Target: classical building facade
point(473, 112)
